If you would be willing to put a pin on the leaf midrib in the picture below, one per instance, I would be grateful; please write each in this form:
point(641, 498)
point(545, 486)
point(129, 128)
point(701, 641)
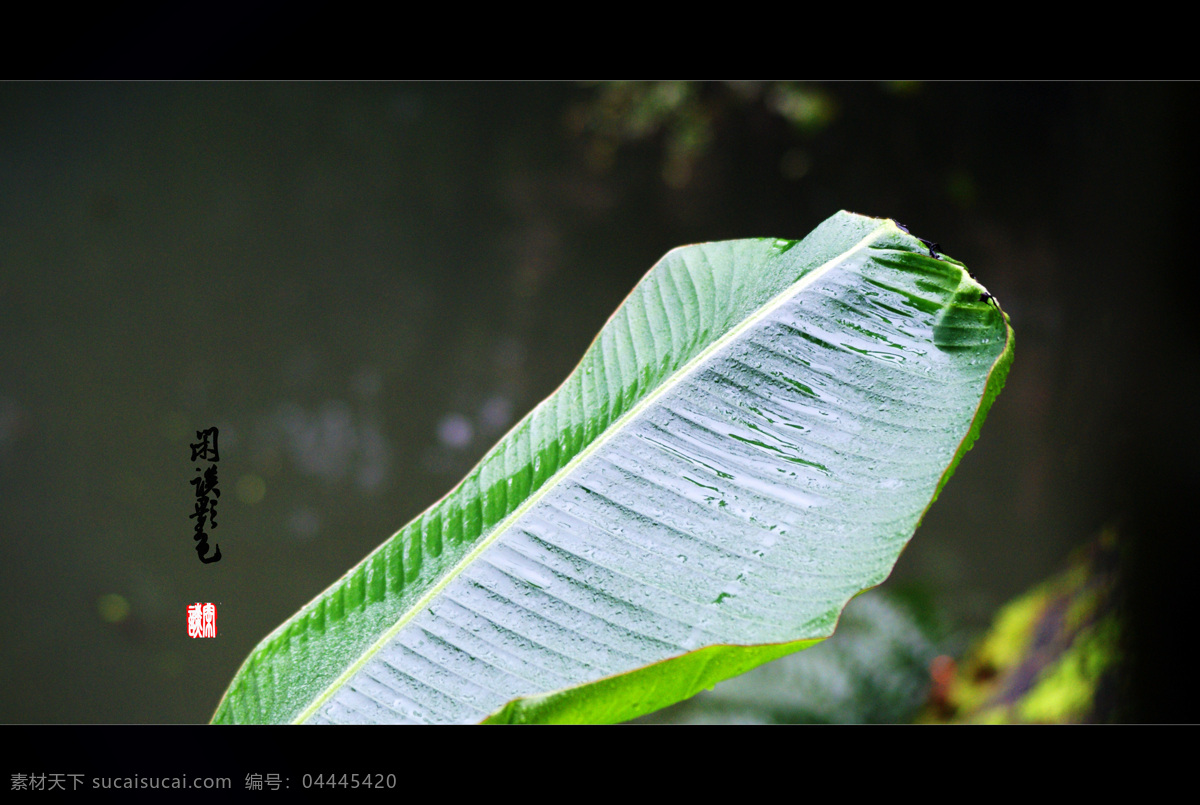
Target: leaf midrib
point(603, 438)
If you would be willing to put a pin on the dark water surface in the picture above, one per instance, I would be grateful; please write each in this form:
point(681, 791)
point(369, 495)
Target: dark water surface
point(364, 286)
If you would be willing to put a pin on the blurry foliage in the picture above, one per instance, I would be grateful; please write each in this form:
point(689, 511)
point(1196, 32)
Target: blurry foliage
point(874, 670)
point(1052, 656)
point(686, 117)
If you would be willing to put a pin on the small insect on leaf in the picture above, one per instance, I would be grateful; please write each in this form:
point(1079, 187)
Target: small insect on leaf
point(933, 248)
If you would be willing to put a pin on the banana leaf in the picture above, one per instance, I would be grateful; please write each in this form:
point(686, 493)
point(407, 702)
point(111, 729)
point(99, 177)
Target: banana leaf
point(749, 442)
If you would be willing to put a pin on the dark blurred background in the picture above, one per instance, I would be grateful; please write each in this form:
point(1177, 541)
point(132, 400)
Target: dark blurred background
point(365, 285)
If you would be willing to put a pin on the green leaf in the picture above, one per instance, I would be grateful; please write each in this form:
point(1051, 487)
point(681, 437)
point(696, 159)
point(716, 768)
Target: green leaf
point(749, 442)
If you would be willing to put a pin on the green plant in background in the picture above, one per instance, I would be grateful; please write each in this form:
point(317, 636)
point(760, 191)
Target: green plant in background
point(1052, 655)
point(749, 442)
point(686, 116)
point(875, 671)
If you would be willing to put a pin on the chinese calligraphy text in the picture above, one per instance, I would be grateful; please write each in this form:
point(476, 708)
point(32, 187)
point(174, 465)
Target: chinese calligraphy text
point(206, 483)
